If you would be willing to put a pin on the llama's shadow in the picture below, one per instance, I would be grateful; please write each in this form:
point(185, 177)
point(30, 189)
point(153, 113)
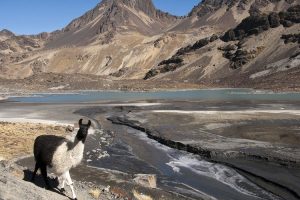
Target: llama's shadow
point(39, 181)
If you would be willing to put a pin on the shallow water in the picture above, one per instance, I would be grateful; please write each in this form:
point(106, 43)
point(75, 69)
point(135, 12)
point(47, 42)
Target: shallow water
point(217, 94)
point(178, 171)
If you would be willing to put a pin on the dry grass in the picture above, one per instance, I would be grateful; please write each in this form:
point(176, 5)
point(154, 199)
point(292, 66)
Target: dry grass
point(16, 139)
point(95, 193)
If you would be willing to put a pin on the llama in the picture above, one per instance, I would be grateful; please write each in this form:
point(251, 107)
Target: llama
point(61, 155)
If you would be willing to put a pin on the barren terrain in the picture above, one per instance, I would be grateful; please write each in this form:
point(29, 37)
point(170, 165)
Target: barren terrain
point(17, 138)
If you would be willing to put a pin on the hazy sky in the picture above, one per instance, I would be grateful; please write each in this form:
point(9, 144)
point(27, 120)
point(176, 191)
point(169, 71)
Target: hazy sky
point(35, 16)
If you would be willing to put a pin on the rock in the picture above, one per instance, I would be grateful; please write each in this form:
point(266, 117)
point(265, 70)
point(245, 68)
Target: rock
point(286, 23)
point(165, 66)
point(107, 189)
point(229, 54)
point(141, 196)
point(3, 179)
point(119, 73)
point(14, 188)
point(69, 129)
point(274, 20)
point(213, 38)
point(257, 23)
point(95, 193)
point(229, 47)
point(151, 73)
point(239, 57)
point(291, 38)
point(293, 14)
point(176, 61)
point(146, 180)
point(183, 50)
point(229, 36)
point(201, 43)
point(43, 35)
point(173, 60)
point(120, 193)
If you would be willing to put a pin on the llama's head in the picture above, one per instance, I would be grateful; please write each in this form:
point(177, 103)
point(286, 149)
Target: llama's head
point(83, 130)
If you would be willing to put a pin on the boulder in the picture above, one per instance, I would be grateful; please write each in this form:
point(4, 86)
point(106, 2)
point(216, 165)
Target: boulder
point(151, 73)
point(274, 20)
point(286, 23)
point(257, 23)
point(183, 50)
point(229, 36)
point(291, 16)
point(173, 60)
point(141, 196)
point(254, 24)
point(229, 47)
point(201, 43)
point(146, 180)
point(291, 38)
point(213, 38)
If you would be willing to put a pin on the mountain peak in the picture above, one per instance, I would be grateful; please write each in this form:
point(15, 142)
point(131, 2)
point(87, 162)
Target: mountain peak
point(146, 6)
point(6, 32)
point(110, 16)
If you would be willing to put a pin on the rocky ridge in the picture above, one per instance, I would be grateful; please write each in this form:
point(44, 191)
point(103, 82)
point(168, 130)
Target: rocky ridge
point(132, 40)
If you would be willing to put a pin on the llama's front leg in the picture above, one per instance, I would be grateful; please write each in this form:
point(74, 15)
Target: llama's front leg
point(62, 181)
point(70, 183)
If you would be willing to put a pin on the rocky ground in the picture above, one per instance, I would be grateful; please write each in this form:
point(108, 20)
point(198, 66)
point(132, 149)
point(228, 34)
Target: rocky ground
point(16, 167)
point(15, 184)
point(53, 83)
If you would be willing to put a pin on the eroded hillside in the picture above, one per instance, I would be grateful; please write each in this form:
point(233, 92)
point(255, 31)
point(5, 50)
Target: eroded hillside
point(234, 43)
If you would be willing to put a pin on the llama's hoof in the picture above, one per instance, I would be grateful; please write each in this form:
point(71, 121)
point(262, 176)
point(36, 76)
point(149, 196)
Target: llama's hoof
point(49, 188)
point(62, 190)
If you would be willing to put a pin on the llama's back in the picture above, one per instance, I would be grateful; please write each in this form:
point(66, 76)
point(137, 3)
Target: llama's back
point(45, 147)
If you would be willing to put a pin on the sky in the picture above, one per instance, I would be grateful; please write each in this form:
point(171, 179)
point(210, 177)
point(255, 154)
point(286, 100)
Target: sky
point(36, 16)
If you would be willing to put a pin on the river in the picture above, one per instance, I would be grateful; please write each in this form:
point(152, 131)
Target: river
point(131, 151)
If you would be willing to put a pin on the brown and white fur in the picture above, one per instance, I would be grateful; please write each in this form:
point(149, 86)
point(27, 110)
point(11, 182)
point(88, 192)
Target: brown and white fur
point(60, 154)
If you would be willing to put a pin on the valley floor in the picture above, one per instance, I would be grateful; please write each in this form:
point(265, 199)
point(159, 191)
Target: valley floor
point(50, 82)
point(256, 139)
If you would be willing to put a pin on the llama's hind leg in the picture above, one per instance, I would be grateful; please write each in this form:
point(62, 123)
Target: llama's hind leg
point(70, 183)
point(37, 166)
point(44, 174)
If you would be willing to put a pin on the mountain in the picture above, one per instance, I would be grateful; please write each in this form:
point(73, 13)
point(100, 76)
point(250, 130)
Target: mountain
point(225, 14)
point(115, 38)
point(220, 42)
point(261, 51)
point(5, 34)
point(110, 17)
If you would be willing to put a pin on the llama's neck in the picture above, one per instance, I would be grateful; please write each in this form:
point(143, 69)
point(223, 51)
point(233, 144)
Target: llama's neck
point(76, 153)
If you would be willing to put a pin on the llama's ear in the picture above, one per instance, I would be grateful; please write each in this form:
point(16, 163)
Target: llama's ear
point(90, 123)
point(80, 122)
